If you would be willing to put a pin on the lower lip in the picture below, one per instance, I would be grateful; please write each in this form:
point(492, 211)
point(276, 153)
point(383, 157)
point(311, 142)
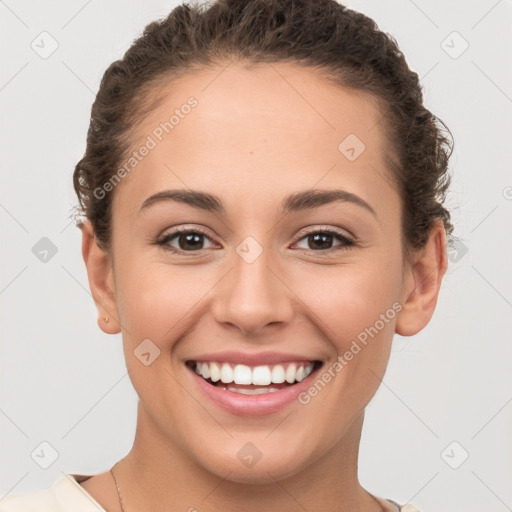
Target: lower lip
point(252, 405)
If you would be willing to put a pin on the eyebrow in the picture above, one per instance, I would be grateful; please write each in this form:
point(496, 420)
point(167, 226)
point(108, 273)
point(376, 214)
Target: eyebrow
point(296, 202)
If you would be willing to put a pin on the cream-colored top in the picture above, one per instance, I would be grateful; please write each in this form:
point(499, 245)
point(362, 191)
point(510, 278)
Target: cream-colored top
point(67, 495)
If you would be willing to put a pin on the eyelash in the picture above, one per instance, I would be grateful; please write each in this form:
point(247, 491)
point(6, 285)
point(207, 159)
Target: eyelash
point(347, 243)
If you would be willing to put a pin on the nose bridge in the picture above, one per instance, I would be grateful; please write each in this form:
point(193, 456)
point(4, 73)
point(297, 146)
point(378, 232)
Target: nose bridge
point(252, 276)
point(252, 295)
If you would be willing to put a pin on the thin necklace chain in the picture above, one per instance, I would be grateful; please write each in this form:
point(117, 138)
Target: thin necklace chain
point(119, 491)
point(117, 486)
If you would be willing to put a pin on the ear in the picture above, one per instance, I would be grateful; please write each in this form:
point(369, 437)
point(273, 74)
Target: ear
point(422, 283)
point(101, 280)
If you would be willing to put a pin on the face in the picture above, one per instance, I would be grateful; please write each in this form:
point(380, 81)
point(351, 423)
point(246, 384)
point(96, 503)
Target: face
point(259, 278)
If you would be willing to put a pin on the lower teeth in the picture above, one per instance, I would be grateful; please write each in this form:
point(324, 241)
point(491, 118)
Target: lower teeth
point(250, 391)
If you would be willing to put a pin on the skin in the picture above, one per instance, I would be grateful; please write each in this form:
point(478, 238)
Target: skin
point(254, 139)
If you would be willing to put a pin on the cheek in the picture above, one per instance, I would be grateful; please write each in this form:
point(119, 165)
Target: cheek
point(157, 298)
point(347, 301)
point(159, 303)
point(355, 308)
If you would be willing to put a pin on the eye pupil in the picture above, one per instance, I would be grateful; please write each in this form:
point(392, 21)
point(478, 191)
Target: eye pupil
point(318, 237)
point(190, 238)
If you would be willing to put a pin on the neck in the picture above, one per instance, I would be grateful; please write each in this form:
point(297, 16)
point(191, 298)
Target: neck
point(157, 474)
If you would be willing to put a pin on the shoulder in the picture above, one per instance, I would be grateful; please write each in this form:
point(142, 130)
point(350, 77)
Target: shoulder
point(65, 495)
point(38, 501)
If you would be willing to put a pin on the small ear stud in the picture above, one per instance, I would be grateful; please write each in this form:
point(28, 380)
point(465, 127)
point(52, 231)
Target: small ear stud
point(106, 319)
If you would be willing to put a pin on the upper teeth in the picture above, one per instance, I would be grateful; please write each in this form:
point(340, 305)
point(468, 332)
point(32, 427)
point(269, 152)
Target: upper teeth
point(258, 375)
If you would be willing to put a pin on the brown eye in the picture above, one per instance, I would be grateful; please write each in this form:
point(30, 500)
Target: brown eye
point(186, 240)
point(317, 241)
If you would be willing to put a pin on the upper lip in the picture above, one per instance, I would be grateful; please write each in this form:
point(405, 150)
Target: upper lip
point(261, 358)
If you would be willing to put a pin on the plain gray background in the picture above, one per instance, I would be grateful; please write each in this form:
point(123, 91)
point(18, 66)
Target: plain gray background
point(447, 392)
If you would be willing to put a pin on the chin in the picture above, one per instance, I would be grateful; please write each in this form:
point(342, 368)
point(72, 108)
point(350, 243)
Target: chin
point(266, 470)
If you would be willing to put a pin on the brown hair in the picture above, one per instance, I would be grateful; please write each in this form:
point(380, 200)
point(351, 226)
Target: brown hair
point(343, 44)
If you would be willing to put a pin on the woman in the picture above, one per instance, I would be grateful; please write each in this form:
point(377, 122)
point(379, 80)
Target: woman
point(262, 192)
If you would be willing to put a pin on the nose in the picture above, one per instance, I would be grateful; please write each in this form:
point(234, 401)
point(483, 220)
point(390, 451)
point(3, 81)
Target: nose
point(253, 296)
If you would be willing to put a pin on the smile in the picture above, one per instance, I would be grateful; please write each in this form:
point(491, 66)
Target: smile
point(275, 384)
point(252, 377)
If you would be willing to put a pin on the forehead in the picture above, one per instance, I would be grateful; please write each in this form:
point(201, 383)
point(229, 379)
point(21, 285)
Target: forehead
point(265, 127)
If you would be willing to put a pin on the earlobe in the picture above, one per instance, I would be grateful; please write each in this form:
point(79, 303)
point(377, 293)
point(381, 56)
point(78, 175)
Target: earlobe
point(422, 283)
point(101, 282)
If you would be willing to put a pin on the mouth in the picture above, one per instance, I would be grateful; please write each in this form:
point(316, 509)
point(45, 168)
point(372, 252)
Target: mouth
point(253, 380)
